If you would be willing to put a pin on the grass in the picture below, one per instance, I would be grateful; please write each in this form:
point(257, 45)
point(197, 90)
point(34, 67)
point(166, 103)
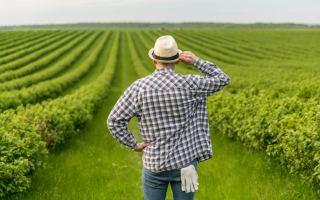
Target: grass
point(94, 165)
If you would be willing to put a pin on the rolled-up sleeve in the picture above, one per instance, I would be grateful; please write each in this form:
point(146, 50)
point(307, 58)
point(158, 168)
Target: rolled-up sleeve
point(120, 116)
point(215, 79)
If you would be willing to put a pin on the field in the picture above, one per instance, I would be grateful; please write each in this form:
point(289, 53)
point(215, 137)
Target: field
point(57, 88)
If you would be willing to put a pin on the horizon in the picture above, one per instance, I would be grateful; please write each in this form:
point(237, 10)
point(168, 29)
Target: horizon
point(133, 22)
point(37, 12)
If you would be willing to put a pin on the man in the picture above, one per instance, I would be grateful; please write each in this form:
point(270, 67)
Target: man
point(173, 121)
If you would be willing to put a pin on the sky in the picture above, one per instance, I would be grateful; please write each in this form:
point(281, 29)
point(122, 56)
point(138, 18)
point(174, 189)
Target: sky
point(19, 12)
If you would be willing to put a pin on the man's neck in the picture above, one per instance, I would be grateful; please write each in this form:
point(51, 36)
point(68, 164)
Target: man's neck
point(161, 67)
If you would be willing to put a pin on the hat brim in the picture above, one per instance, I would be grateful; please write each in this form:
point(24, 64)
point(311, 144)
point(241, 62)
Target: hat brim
point(163, 61)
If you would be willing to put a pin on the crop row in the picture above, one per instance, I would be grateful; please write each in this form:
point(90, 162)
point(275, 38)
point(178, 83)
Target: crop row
point(245, 44)
point(185, 44)
point(254, 52)
point(220, 58)
point(216, 40)
point(28, 132)
point(288, 43)
point(22, 44)
point(12, 37)
point(8, 72)
point(138, 66)
point(279, 45)
point(206, 45)
point(59, 66)
point(26, 51)
point(30, 38)
point(251, 50)
point(50, 88)
point(223, 57)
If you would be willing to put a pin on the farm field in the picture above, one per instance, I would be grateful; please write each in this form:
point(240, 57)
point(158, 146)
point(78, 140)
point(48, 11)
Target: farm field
point(265, 125)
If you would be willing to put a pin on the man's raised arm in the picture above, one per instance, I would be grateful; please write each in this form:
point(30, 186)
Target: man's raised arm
point(214, 79)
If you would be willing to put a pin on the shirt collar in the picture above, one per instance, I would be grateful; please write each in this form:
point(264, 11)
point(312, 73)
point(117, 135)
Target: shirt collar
point(163, 70)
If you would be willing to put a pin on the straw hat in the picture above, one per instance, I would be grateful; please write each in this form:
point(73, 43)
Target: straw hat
point(165, 50)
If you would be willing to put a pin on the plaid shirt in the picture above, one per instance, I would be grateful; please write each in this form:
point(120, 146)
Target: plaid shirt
point(172, 115)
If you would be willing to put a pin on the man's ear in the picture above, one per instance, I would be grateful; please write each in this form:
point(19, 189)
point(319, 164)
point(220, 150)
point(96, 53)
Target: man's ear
point(177, 62)
point(154, 62)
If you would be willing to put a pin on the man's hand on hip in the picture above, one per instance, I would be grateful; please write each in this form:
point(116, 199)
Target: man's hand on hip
point(141, 146)
point(187, 57)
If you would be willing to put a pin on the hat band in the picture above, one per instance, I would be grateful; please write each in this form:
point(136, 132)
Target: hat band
point(165, 58)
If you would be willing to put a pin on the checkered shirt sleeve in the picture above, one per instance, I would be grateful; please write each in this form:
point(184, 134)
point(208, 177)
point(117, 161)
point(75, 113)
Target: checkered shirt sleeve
point(214, 80)
point(120, 116)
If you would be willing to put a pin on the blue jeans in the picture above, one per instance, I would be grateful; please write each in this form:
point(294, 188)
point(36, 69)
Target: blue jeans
point(155, 184)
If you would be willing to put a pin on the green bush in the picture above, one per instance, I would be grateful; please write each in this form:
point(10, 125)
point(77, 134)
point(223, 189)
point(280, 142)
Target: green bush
point(26, 42)
point(287, 128)
point(60, 66)
point(27, 132)
point(53, 87)
point(21, 58)
point(21, 151)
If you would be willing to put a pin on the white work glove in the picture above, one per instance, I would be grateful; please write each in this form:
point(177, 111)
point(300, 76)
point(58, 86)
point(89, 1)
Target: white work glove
point(189, 179)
